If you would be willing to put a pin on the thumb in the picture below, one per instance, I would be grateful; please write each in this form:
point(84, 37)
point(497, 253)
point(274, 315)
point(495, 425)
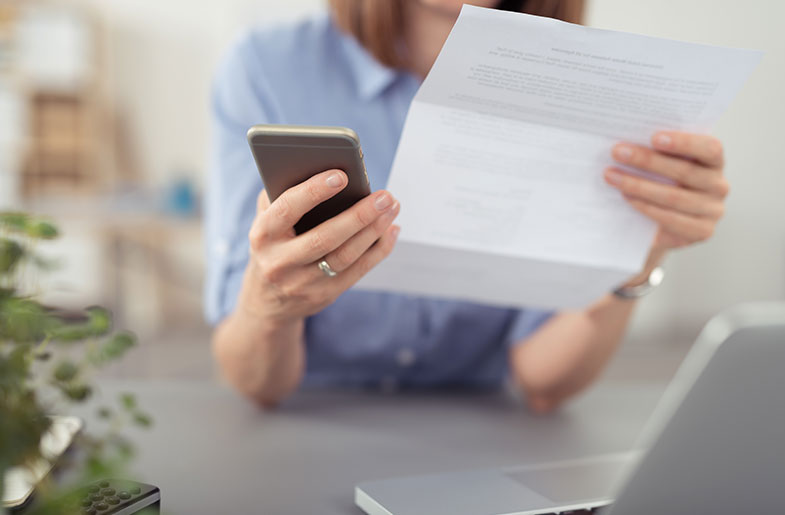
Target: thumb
point(262, 201)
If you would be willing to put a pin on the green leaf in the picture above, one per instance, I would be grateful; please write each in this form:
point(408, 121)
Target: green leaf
point(22, 423)
point(104, 412)
point(22, 223)
point(41, 230)
point(14, 371)
point(23, 320)
point(128, 400)
point(66, 371)
point(117, 345)
point(77, 392)
point(99, 320)
point(11, 253)
point(67, 332)
point(14, 221)
point(112, 349)
point(143, 420)
point(43, 356)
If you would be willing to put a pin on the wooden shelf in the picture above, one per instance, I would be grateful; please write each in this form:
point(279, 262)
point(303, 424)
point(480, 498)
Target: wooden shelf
point(69, 137)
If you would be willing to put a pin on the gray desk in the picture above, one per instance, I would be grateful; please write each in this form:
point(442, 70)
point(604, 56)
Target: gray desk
point(212, 452)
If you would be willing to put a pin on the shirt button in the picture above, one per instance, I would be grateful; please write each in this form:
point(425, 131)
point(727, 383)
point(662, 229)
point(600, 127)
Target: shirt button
point(221, 248)
point(406, 357)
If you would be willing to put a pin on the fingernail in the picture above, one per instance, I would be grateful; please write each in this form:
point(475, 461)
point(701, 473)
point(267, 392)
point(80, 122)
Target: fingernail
point(662, 140)
point(623, 152)
point(395, 231)
point(335, 180)
point(392, 213)
point(383, 202)
point(613, 177)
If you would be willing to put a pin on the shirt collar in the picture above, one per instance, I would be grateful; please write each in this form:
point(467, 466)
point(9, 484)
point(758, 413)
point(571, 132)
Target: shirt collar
point(370, 76)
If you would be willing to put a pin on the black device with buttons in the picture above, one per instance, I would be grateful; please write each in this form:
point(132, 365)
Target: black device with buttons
point(120, 497)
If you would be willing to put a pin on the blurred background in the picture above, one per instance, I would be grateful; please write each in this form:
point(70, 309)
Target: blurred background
point(105, 127)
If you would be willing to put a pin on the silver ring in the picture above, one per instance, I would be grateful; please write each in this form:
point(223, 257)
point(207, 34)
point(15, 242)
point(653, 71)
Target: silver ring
point(324, 266)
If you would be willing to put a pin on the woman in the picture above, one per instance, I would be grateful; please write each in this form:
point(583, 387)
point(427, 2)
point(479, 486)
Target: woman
point(281, 320)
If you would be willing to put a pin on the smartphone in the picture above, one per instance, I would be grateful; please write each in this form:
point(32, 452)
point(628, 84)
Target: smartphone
point(287, 155)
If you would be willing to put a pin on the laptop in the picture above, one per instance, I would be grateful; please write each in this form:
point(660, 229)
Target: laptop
point(715, 445)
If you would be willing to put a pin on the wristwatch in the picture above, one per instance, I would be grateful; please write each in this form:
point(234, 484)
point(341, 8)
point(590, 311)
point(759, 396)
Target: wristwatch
point(634, 292)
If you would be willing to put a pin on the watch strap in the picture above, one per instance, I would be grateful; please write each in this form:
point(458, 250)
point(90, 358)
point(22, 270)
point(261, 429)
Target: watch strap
point(634, 292)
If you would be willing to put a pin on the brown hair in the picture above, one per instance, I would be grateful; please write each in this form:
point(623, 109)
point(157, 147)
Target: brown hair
point(378, 24)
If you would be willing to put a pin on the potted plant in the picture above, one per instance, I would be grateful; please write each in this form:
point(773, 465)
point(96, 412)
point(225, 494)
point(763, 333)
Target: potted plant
point(47, 358)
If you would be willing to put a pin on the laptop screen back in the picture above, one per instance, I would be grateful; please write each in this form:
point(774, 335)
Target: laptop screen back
point(723, 450)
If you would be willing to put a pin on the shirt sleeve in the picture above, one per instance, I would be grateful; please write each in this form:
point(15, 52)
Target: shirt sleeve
point(240, 98)
point(526, 322)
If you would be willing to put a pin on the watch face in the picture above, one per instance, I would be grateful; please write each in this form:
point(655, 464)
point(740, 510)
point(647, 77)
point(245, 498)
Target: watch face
point(656, 276)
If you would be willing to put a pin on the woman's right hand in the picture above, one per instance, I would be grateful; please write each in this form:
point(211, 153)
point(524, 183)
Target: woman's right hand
point(283, 282)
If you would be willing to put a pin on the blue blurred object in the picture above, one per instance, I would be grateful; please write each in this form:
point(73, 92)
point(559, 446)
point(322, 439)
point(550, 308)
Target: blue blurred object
point(181, 198)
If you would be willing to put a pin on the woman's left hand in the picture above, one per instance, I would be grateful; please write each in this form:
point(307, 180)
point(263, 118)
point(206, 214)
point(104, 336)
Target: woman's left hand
point(688, 210)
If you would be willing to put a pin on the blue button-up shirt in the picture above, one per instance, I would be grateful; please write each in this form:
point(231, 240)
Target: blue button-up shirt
point(310, 73)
